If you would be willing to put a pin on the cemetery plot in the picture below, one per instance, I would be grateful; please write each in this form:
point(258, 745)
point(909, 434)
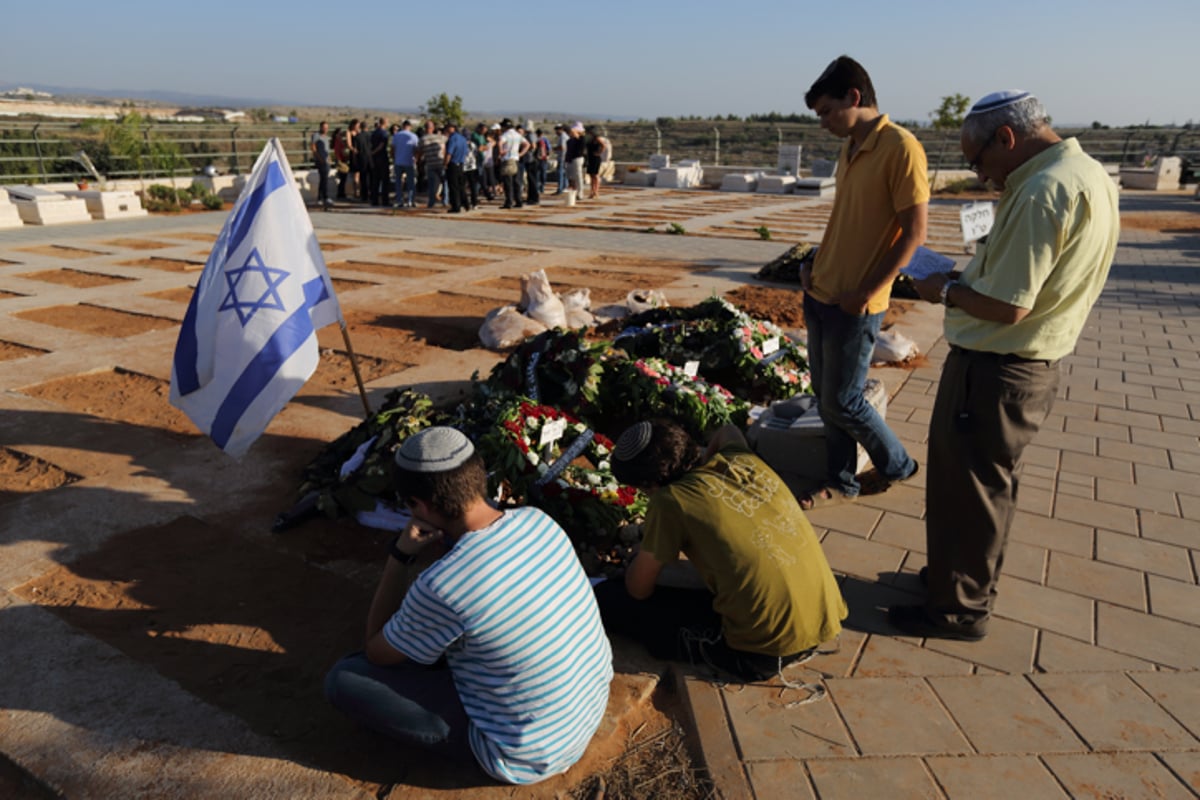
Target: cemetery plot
point(343, 285)
point(334, 370)
point(394, 270)
point(641, 262)
point(75, 277)
point(97, 320)
point(11, 351)
point(166, 264)
point(137, 244)
point(4, 294)
point(193, 236)
point(490, 249)
point(181, 294)
point(117, 394)
point(414, 330)
point(333, 247)
point(6, 261)
point(438, 259)
point(363, 238)
point(784, 307)
point(21, 473)
point(60, 251)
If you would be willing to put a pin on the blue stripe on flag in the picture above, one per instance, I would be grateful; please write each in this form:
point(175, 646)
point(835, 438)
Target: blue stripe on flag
point(187, 351)
point(261, 370)
point(244, 218)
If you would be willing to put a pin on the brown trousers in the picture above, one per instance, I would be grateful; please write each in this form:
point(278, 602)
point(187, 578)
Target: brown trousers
point(988, 408)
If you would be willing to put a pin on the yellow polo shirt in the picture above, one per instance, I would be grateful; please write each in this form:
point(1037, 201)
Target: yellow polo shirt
point(887, 175)
point(1049, 251)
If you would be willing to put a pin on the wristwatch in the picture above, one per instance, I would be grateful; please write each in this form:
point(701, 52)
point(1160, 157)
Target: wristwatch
point(398, 554)
point(944, 295)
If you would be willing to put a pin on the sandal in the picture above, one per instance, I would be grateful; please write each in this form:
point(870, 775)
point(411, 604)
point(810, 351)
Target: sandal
point(825, 496)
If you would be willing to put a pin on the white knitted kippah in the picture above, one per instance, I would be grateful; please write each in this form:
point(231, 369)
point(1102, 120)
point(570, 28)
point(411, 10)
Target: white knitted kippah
point(633, 441)
point(434, 450)
point(998, 100)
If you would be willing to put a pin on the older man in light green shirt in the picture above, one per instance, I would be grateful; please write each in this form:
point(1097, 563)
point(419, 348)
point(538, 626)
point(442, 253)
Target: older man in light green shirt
point(1016, 309)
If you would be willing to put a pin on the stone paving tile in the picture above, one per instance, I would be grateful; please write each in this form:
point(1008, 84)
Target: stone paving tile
point(1097, 466)
point(1095, 513)
point(1163, 641)
point(998, 777)
point(1134, 453)
point(1005, 714)
point(1100, 430)
point(1177, 692)
point(1125, 587)
point(1025, 561)
point(1136, 496)
point(1039, 455)
point(1053, 534)
point(887, 657)
point(1107, 776)
point(1073, 442)
point(1189, 506)
point(1081, 394)
point(895, 716)
point(1187, 462)
point(779, 779)
point(713, 738)
point(1111, 712)
point(1044, 607)
point(1008, 647)
point(893, 778)
point(851, 555)
point(1186, 767)
point(1166, 479)
point(907, 499)
point(1171, 529)
point(1174, 599)
point(836, 659)
point(1132, 418)
point(1184, 427)
point(765, 729)
point(868, 602)
point(1073, 489)
point(1058, 653)
point(900, 530)
point(1035, 501)
point(1155, 438)
point(1143, 554)
point(851, 518)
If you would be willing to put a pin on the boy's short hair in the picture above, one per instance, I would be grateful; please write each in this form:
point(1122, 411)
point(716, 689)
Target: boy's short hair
point(842, 75)
point(450, 492)
point(663, 456)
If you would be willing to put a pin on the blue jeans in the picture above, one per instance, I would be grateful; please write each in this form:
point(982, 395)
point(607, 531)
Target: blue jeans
point(408, 702)
point(435, 176)
point(839, 354)
point(406, 184)
point(561, 172)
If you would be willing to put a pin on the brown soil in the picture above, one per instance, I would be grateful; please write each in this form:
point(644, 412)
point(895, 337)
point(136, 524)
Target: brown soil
point(333, 247)
point(490, 249)
point(11, 351)
point(366, 238)
point(441, 320)
point(97, 320)
point(60, 251)
point(194, 236)
point(784, 307)
point(21, 473)
point(430, 258)
point(4, 294)
point(334, 370)
point(75, 277)
point(649, 263)
point(395, 270)
point(343, 285)
point(120, 395)
point(167, 264)
point(182, 294)
point(1164, 221)
point(137, 244)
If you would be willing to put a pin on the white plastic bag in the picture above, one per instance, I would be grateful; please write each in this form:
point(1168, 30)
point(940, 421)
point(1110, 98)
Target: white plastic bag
point(576, 304)
point(540, 302)
point(892, 346)
point(505, 327)
point(640, 300)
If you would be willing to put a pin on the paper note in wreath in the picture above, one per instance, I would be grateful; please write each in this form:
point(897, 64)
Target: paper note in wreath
point(977, 220)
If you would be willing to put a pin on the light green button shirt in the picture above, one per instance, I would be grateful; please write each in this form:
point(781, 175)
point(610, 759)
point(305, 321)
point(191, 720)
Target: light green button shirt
point(1049, 251)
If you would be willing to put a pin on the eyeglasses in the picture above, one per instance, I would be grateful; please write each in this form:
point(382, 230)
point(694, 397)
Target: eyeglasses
point(974, 163)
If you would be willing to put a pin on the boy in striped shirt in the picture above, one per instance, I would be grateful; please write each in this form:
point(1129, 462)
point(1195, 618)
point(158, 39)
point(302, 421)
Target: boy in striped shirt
point(506, 604)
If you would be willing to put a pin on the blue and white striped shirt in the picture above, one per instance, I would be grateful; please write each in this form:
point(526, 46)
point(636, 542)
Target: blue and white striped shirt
point(514, 614)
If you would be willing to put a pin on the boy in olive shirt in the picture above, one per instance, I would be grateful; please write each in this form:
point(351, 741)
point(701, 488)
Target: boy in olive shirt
point(769, 597)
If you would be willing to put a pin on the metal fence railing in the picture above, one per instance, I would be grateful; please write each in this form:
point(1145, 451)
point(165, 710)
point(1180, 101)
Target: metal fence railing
point(43, 152)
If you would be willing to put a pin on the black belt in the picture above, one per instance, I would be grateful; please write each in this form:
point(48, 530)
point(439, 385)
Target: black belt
point(999, 358)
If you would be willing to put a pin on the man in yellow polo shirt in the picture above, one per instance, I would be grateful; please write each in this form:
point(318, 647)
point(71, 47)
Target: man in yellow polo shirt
point(879, 219)
point(1017, 308)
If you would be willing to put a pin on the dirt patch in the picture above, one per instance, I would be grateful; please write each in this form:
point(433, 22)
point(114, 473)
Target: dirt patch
point(1162, 221)
point(60, 251)
point(137, 244)
point(11, 351)
point(366, 238)
point(75, 277)
point(784, 307)
point(334, 369)
point(193, 236)
point(167, 264)
point(441, 319)
point(5, 295)
point(333, 247)
point(183, 294)
point(120, 395)
point(97, 320)
point(374, 268)
point(342, 285)
point(21, 473)
point(443, 260)
point(490, 249)
point(647, 263)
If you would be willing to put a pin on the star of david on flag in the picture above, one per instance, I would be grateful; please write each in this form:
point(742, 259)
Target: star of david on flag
point(249, 339)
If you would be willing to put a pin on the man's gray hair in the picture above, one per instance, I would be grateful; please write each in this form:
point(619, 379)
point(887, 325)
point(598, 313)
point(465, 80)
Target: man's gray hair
point(1024, 117)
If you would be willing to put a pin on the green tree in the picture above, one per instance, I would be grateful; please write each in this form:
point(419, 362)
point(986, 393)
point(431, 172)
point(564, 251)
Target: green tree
point(950, 114)
point(444, 108)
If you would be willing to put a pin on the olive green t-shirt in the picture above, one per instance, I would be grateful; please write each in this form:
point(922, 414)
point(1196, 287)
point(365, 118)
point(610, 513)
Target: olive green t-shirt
point(744, 532)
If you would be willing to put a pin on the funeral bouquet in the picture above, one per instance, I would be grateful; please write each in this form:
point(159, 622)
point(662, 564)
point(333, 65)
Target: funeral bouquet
point(636, 389)
point(558, 368)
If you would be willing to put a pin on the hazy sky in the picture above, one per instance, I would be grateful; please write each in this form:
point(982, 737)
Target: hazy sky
point(1116, 62)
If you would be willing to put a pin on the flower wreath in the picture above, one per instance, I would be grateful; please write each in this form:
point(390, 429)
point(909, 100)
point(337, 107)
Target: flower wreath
point(646, 387)
point(558, 368)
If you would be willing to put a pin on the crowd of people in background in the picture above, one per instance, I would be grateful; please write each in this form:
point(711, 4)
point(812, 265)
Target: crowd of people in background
point(457, 169)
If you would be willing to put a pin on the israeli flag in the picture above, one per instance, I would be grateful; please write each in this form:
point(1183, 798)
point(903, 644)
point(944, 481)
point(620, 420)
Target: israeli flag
point(249, 338)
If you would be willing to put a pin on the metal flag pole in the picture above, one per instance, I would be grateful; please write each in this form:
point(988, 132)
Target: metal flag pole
point(362, 390)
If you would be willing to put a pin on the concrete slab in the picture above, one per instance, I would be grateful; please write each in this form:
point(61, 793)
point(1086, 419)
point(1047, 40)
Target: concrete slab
point(995, 777)
point(1102, 775)
point(111, 204)
point(1005, 714)
point(896, 716)
point(1111, 712)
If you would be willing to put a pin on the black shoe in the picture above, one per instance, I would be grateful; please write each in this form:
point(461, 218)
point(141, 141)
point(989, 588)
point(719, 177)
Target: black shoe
point(916, 621)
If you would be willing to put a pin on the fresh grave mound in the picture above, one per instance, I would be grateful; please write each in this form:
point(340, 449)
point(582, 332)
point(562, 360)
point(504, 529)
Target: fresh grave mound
point(60, 251)
point(21, 473)
point(437, 259)
point(343, 285)
point(394, 270)
point(11, 351)
point(117, 394)
point(545, 418)
point(784, 307)
point(1161, 221)
point(334, 369)
point(441, 319)
point(167, 264)
point(137, 244)
point(490, 249)
point(193, 236)
point(75, 277)
point(97, 320)
point(182, 294)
